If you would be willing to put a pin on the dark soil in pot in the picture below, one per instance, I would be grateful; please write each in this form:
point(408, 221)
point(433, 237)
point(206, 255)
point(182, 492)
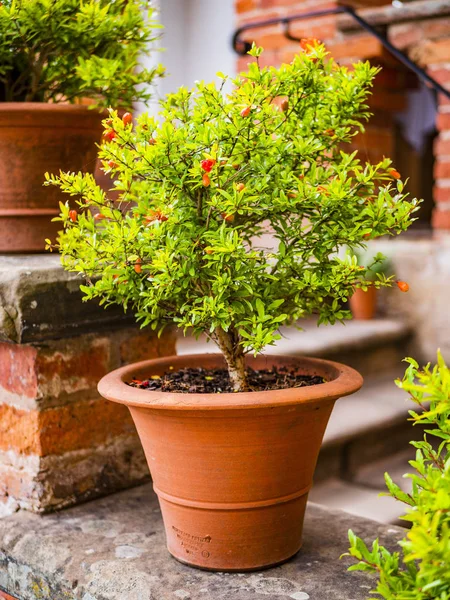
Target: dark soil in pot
point(217, 381)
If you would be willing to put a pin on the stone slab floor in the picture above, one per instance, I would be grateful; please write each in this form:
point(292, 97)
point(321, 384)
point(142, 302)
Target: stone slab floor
point(114, 549)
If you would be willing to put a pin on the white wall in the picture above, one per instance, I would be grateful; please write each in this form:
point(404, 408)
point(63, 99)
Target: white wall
point(197, 42)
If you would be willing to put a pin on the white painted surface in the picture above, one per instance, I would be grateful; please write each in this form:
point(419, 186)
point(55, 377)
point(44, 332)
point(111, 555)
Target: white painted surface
point(196, 43)
point(197, 39)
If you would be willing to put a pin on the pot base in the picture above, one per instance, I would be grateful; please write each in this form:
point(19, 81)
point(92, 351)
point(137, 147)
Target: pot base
point(250, 570)
point(234, 539)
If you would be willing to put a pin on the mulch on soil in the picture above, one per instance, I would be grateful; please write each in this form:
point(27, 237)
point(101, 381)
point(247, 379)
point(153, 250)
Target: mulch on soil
point(216, 381)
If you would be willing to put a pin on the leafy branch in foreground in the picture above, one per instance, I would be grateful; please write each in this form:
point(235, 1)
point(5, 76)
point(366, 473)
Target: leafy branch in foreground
point(421, 570)
point(200, 189)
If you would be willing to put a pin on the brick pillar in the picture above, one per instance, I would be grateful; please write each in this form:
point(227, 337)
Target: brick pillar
point(441, 214)
point(428, 44)
point(60, 443)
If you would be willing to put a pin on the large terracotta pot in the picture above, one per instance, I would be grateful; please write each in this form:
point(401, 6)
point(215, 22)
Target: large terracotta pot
point(363, 304)
point(36, 138)
point(232, 471)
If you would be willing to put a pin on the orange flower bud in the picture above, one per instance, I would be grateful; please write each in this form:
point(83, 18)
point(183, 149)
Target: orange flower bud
point(127, 118)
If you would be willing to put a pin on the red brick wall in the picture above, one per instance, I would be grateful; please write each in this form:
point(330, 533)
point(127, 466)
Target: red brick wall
point(427, 42)
point(5, 596)
point(60, 442)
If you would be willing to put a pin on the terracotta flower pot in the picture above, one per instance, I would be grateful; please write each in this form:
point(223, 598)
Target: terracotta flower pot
point(36, 138)
point(232, 471)
point(363, 304)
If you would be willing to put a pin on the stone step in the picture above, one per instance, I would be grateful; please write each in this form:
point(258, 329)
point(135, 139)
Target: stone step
point(368, 346)
point(367, 426)
point(114, 549)
point(358, 500)
point(361, 495)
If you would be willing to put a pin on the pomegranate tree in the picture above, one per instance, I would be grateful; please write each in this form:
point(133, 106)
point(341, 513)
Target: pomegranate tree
point(200, 187)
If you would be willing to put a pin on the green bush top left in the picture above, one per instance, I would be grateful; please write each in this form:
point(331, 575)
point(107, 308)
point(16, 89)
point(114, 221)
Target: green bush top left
point(64, 50)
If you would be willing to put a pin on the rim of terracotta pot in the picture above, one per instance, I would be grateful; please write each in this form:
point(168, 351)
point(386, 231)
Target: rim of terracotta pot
point(341, 381)
point(46, 107)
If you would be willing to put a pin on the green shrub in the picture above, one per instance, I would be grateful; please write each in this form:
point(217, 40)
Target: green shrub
point(199, 189)
point(421, 570)
point(61, 50)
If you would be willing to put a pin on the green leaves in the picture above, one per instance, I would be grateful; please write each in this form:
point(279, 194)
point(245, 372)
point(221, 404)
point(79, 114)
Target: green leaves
point(254, 245)
point(423, 572)
point(64, 50)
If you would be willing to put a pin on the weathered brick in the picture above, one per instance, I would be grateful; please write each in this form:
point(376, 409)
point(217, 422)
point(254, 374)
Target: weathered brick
point(367, 3)
point(321, 29)
point(272, 3)
point(18, 369)
point(360, 46)
point(443, 121)
point(142, 346)
point(45, 372)
point(19, 430)
point(441, 194)
point(404, 35)
point(442, 147)
point(436, 28)
point(46, 483)
point(246, 19)
point(441, 219)
point(442, 169)
point(271, 41)
point(242, 6)
point(61, 443)
point(441, 74)
point(430, 52)
point(86, 424)
point(84, 474)
point(18, 486)
point(72, 365)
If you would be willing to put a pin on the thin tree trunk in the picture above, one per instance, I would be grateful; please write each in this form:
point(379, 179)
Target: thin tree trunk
point(234, 357)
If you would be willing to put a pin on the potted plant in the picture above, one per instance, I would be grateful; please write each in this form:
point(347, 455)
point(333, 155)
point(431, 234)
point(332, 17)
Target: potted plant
point(363, 301)
point(232, 438)
point(60, 62)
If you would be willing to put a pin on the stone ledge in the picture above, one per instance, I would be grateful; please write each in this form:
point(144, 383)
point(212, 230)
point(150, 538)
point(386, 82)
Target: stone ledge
point(388, 15)
point(379, 405)
point(41, 301)
point(114, 549)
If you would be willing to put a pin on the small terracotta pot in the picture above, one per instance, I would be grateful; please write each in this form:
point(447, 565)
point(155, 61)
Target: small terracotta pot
point(363, 304)
point(232, 471)
point(36, 138)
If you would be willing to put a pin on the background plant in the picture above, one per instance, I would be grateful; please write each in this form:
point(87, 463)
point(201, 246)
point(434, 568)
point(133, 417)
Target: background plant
point(420, 571)
point(61, 50)
point(373, 264)
point(200, 189)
